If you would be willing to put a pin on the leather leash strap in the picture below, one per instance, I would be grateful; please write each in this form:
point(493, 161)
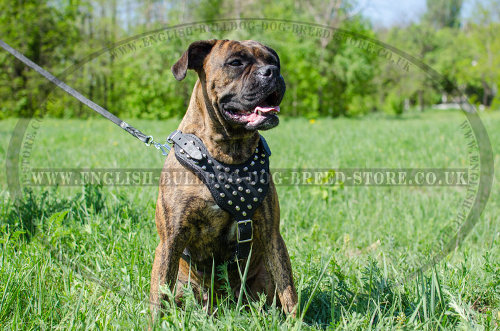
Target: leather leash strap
point(74, 93)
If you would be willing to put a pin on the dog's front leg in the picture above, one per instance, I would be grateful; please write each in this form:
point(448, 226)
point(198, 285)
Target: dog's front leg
point(167, 255)
point(165, 268)
point(278, 263)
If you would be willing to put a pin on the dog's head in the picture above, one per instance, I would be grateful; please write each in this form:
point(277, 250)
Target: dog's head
point(242, 80)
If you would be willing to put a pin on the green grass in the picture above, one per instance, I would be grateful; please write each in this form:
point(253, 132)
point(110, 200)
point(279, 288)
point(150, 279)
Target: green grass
point(81, 257)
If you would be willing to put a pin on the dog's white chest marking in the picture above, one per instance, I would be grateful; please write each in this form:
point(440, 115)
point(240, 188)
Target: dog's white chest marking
point(231, 234)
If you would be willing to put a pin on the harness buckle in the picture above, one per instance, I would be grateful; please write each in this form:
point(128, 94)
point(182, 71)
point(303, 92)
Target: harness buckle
point(244, 222)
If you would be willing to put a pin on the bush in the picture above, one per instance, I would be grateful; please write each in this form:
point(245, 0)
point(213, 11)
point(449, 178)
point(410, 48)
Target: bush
point(361, 105)
point(394, 103)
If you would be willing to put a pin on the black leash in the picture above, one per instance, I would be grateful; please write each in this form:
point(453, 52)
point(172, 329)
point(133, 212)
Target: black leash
point(148, 140)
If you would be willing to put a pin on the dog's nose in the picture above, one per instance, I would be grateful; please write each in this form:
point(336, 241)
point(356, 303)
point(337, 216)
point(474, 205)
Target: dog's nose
point(267, 72)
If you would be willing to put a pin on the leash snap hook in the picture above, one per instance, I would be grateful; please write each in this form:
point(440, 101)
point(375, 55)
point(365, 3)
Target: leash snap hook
point(164, 148)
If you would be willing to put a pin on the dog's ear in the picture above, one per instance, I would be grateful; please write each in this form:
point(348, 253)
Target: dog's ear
point(192, 58)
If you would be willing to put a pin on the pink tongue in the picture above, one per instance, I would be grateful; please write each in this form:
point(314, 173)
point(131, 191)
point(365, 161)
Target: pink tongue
point(268, 109)
point(255, 116)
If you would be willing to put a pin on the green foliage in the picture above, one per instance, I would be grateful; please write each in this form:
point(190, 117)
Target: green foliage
point(35, 208)
point(443, 13)
point(361, 105)
point(45, 34)
point(327, 75)
point(394, 104)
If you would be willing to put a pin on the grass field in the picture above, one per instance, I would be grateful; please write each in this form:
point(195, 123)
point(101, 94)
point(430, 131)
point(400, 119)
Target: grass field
point(81, 257)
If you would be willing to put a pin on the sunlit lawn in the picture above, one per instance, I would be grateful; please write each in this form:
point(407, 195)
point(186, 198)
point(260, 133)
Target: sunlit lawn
point(81, 257)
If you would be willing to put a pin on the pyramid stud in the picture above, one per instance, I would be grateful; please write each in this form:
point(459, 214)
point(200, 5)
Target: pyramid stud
point(262, 181)
point(249, 206)
point(256, 150)
point(209, 161)
point(252, 183)
point(255, 157)
point(238, 180)
point(237, 207)
point(212, 175)
point(234, 192)
point(245, 169)
point(222, 195)
point(262, 161)
point(242, 199)
point(204, 167)
point(226, 169)
point(263, 155)
point(229, 202)
point(259, 190)
point(252, 163)
point(255, 199)
point(247, 191)
point(226, 186)
point(244, 213)
point(219, 167)
point(217, 185)
point(262, 171)
point(230, 180)
point(240, 188)
point(255, 172)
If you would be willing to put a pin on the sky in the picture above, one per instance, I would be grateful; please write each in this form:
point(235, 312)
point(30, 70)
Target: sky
point(386, 13)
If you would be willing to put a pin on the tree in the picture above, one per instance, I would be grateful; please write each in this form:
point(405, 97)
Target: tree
point(45, 33)
point(443, 13)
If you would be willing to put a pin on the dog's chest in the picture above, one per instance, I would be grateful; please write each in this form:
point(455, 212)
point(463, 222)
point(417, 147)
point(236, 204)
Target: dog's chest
point(218, 223)
point(214, 235)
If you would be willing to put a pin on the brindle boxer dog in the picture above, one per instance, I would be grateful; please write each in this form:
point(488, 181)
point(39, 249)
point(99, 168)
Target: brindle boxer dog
point(237, 94)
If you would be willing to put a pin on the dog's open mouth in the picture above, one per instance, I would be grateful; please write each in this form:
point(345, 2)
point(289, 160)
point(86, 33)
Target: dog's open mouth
point(258, 114)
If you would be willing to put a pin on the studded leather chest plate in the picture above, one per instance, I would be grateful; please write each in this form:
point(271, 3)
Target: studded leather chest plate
point(236, 188)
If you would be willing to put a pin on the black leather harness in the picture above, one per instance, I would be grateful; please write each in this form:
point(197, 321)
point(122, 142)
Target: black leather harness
point(238, 189)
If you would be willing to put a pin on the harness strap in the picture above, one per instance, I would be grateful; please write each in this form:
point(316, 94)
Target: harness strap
point(238, 189)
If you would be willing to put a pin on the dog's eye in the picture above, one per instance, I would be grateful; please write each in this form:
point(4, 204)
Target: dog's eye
point(235, 63)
